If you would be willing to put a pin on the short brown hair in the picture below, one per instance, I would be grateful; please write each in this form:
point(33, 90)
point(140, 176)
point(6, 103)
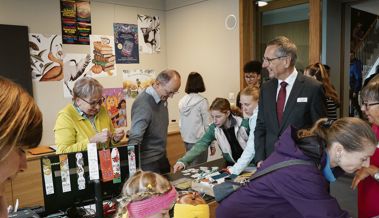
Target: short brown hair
point(20, 118)
point(285, 47)
point(195, 83)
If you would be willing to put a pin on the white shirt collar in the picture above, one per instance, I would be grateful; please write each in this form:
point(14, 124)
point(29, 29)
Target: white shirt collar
point(151, 91)
point(290, 79)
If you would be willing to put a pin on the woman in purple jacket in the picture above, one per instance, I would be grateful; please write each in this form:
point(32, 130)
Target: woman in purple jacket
point(301, 190)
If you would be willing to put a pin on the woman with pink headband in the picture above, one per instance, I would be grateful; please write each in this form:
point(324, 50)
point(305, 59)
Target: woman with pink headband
point(148, 195)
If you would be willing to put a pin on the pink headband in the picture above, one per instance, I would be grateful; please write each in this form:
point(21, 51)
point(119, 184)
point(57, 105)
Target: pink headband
point(152, 205)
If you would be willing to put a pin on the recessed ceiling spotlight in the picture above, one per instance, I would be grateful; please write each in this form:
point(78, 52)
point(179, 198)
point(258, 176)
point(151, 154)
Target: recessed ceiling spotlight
point(261, 3)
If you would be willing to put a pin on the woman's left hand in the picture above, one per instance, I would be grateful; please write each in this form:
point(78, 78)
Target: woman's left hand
point(118, 135)
point(362, 174)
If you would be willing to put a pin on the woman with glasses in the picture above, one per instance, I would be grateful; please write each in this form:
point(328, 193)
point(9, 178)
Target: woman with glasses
point(300, 190)
point(367, 179)
point(85, 120)
point(252, 74)
point(20, 128)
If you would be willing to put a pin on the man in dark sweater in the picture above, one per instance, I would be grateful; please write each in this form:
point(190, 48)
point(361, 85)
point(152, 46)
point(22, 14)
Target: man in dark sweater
point(150, 121)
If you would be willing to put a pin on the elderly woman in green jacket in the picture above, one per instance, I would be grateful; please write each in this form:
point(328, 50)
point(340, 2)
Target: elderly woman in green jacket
point(85, 120)
point(230, 132)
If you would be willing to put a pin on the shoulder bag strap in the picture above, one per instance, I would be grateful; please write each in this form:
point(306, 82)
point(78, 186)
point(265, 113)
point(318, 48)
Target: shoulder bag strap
point(280, 165)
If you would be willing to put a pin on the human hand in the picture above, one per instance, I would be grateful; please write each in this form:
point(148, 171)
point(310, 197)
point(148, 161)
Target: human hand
point(225, 170)
point(213, 150)
point(259, 163)
point(118, 134)
point(362, 174)
point(101, 137)
point(179, 166)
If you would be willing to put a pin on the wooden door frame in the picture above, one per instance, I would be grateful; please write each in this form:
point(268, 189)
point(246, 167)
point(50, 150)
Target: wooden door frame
point(249, 27)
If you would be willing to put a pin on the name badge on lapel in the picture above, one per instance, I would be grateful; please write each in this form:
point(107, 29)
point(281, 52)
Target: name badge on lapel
point(302, 100)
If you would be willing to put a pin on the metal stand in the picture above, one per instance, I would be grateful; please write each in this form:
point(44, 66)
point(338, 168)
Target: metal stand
point(98, 198)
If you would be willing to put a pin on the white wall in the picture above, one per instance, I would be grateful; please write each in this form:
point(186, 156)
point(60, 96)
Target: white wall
point(43, 16)
point(194, 39)
point(198, 41)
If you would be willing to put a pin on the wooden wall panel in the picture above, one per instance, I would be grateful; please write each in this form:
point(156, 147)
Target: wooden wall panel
point(314, 31)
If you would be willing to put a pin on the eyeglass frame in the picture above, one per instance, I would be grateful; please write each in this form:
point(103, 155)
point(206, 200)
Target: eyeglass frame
point(171, 93)
point(269, 60)
point(94, 104)
point(368, 105)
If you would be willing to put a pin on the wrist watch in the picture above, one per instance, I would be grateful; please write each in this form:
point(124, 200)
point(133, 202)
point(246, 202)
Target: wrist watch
point(376, 176)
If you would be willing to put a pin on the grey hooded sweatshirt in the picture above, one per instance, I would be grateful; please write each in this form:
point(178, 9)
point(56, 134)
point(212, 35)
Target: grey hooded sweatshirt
point(194, 117)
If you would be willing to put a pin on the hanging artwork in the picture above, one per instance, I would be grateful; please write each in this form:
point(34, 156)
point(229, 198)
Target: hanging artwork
point(149, 34)
point(135, 81)
point(75, 67)
point(102, 56)
point(76, 21)
point(126, 43)
point(116, 106)
point(46, 57)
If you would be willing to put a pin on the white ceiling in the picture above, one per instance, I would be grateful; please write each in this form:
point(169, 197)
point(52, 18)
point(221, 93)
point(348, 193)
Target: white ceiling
point(371, 6)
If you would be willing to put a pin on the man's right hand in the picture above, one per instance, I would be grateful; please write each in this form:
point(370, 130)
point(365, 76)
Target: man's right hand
point(178, 167)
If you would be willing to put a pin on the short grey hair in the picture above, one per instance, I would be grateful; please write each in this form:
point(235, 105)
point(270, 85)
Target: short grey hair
point(166, 75)
point(87, 87)
point(285, 48)
point(371, 91)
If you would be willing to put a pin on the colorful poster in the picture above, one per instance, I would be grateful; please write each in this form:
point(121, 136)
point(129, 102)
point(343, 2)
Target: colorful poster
point(76, 21)
point(135, 81)
point(149, 34)
point(102, 56)
point(75, 66)
point(115, 104)
point(46, 57)
point(126, 43)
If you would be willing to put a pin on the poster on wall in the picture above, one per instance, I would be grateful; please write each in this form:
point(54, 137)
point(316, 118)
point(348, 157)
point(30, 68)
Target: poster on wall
point(46, 57)
point(75, 67)
point(76, 21)
point(102, 56)
point(135, 81)
point(126, 43)
point(149, 34)
point(115, 104)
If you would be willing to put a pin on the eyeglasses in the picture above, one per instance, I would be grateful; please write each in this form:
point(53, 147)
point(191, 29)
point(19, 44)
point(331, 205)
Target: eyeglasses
point(169, 93)
point(368, 105)
point(253, 76)
point(95, 103)
point(269, 60)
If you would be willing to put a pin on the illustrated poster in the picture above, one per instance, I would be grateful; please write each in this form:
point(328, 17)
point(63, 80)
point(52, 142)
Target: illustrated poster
point(75, 67)
point(46, 57)
point(102, 56)
point(126, 43)
point(149, 34)
point(116, 106)
point(76, 21)
point(135, 81)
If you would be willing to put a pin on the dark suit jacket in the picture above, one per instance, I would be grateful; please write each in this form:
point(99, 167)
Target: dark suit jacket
point(305, 105)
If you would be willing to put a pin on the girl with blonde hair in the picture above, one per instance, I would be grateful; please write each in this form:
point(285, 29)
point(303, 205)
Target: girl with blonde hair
point(146, 195)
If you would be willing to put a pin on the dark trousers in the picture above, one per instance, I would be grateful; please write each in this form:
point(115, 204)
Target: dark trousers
point(354, 105)
point(161, 166)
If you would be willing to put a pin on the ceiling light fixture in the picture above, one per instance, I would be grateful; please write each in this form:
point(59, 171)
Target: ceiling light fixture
point(261, 3)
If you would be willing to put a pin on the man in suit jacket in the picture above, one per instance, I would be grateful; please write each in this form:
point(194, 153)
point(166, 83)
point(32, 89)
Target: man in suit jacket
point(303, 97)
